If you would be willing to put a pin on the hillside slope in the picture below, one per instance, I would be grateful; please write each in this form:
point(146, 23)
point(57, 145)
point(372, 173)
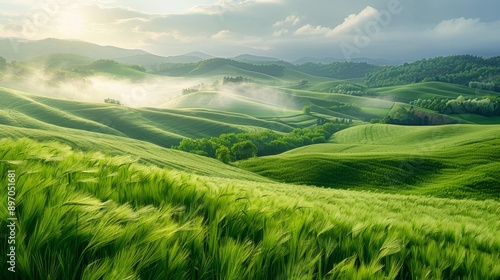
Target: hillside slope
point(458, 161)
point(108, 217)
point(159, 126)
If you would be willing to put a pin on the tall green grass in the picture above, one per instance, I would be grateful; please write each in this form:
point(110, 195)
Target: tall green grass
point(91, 216)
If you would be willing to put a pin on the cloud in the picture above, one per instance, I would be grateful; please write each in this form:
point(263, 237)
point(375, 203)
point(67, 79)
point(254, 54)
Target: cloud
point(290, 20)
point(351, 23)
point(282, 27)
point(457, 25)
point(221, 34)
point(223, 6)
point(309, 29)
point(354, 21)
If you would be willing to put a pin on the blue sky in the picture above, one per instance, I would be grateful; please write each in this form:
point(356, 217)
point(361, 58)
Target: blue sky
point(288, 29)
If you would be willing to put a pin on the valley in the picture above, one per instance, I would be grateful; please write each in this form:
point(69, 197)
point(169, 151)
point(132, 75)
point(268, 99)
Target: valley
point(250, 168)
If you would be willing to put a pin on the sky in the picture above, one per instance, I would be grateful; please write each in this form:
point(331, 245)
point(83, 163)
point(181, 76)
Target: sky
point(285, 29)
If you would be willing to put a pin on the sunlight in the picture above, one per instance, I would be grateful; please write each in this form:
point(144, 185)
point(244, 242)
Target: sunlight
point(72, 24)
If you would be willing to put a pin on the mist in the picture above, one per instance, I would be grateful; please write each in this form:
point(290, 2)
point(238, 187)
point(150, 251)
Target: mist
point(150, 92)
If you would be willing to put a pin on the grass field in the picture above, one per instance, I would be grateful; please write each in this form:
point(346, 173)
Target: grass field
point(457, 161)
point(90, 216)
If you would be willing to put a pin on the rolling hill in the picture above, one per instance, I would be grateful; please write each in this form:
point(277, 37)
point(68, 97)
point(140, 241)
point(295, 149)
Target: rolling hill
point(160, 126)
point(429, 90)
point(20, 50)
point(446, 161)
point(141, 221)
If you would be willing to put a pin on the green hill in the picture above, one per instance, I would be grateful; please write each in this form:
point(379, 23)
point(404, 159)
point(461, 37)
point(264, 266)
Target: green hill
point(446, 161)
point(159, 126)
point(457, 69)
point(60, 61)
point(92, 216)
point(116, 70)
point(229, 102)
point(410, 92)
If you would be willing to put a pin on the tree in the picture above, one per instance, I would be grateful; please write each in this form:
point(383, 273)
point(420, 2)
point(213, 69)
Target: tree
point(112, 101)
point(307, 109)
point(223, 154)
point(303, 82)
point(3, 62)
point(244, 150)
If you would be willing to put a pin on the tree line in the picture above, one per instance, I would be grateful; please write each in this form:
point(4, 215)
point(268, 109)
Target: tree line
point(489, 106)
point(239, 146)
point(235, 80)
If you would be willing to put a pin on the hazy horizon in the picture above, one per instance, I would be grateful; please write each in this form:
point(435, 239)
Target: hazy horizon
point(285, 29)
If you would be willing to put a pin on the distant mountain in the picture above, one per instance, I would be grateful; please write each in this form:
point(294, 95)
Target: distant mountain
point(19, 49)
point(55, 61)
point(328, 60)
point(148, 59)
point(201, 55)
point(249, 58)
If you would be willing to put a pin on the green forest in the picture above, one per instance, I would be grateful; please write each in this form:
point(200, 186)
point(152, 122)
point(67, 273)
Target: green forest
point(460, 69)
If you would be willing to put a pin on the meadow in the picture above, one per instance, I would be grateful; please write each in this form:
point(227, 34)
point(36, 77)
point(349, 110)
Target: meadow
point(127, 220)
point(454, 161)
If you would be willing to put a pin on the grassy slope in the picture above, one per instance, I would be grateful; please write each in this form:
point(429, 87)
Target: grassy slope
point(230, 103)
point(407, 93)
point(140, 151)
point(111, 218)
point(162, 127)
point(447, 161)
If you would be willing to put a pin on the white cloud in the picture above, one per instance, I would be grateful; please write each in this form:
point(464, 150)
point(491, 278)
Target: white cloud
point(290, 20)
point(354, 21)
point(309, 29)
point(229, 5)
point(282, 27)
point(349, 26)
point(457, 25)
point(221, 34)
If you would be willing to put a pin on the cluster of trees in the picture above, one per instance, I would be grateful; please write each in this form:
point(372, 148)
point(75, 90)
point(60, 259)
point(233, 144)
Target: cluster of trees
point(303, 82)
point(402, 116)
point(138, 67)
point(3, 63)
point(199, 87)
point(112, 101)
point(350, 89)
point(102, 64)
point(489, 106)
point(348, 109)
point(492, 86)
point(239, 146)
point(459, 69)
point(235, 80)
point(339, 70)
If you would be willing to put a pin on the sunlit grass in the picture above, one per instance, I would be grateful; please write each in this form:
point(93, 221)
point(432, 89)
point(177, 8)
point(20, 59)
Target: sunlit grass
point(90, 216)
